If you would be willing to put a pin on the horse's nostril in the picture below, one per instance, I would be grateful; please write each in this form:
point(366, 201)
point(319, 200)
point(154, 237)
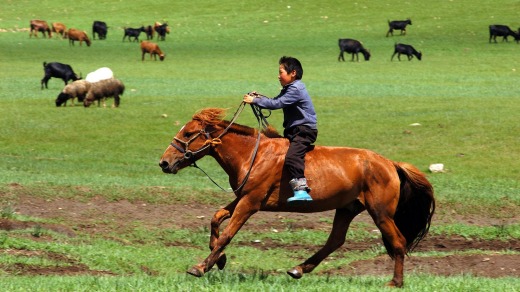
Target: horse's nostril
point(163, 164)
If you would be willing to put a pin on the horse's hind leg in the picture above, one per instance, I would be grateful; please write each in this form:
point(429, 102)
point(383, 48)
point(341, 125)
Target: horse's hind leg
point(383, 217)
point(336, 239)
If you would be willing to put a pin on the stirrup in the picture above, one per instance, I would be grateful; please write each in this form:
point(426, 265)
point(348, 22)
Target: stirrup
point(299, 196)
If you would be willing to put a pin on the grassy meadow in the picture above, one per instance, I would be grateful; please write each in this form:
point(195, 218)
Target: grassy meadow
point(464, 94)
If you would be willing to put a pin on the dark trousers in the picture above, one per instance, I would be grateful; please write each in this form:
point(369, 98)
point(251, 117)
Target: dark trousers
point(301, 138)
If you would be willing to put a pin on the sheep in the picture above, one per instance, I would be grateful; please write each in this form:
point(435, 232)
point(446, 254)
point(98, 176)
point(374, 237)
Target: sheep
point(100, 74)
point(102, 89)
point(151, 48)
point(78, 88)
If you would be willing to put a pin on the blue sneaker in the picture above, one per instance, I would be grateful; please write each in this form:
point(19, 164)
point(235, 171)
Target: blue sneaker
point(299, 196)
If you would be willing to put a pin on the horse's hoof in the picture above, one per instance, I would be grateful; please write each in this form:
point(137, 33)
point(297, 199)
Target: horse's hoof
point(296, 272)
point(194, 271)
point(393, 283)
point(221, 263)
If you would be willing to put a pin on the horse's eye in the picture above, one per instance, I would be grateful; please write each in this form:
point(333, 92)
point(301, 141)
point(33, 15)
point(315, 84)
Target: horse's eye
point(187, 134)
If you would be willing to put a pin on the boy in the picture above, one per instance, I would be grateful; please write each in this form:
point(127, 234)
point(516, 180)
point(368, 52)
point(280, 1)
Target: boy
point(300, 123)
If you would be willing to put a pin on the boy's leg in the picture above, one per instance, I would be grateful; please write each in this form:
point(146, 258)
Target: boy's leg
point(302, 138)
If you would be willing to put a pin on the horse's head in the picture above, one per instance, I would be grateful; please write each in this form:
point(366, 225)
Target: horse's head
point(193, 141)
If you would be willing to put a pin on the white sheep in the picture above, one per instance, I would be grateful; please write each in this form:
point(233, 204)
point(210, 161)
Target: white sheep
point(100, 74)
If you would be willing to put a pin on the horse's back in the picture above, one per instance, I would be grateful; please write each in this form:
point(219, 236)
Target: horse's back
point(345, 174)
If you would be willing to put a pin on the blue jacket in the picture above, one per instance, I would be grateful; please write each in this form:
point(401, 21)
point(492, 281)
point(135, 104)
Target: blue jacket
point(296, 104)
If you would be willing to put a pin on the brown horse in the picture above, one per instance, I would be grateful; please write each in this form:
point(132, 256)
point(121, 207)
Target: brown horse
point(397, 195)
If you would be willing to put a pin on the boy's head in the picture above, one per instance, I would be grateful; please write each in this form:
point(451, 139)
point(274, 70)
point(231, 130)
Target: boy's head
point(290, 70)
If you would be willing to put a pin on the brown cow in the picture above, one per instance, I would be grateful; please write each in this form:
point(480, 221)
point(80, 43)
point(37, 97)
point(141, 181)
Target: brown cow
point(78, 35)
point(38, 25)
point(60, 29)
point(152, 49)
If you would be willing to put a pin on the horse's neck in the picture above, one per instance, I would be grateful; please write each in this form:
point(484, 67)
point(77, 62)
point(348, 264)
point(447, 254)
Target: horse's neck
point(236, 151)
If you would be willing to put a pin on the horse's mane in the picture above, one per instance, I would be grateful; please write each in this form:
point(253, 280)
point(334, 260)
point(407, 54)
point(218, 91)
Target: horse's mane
point(214, 116)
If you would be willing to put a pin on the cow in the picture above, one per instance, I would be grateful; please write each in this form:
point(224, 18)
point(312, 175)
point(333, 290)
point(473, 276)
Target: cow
point(151, 48)
point(503, 31)
point(78, 35)
point(398, 25)
point(133, 32)
point(162, 30)
point(60, 29)
point(58, 70)
point(407, 50)
point(149, 32)
point(99, 28)
point(38, 25)
point(353, 47)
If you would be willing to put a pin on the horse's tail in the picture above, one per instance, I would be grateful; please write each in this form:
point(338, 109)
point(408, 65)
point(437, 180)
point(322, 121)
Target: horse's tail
point(415, 208)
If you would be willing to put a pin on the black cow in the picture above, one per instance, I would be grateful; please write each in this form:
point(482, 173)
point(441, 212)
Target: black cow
point(58, 70)
point(503, 31)
point(398, 25)
point(100, 28)
point(407, 50)
point(162, 30)
point(149, 32)
point(353, 47)
point(133, 32)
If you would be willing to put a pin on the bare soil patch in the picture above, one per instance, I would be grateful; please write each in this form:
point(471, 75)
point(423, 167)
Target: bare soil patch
point(98, 216)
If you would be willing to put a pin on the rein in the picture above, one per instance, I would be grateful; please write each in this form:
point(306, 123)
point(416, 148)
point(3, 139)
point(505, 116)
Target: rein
point(190, 155)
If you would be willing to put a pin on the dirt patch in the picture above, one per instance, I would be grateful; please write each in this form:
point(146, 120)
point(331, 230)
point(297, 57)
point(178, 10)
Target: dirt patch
point(98, 216)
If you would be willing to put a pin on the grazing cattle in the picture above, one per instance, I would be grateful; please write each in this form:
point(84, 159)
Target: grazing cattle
point(133, 32)
point(407, 50)
point(149, 32)
point(58, 70)
point(162, 30)
point(42, 26)
point(353, 47)
point(503, 31)
point(60, 29)
point(99, 28)
point(151, 48)
point(398, 25)
point(78, 35)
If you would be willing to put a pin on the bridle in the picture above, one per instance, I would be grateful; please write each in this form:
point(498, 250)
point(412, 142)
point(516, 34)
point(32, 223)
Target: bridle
point(190, 155)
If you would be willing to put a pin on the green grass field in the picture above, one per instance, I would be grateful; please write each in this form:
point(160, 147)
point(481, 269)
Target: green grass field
point(464, 94)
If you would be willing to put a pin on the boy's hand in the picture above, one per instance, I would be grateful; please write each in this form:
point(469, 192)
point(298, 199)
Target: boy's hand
point(248, 98)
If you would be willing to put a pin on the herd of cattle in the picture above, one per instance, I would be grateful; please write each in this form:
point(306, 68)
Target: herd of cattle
point(100, 84)
point(115, 88)
point(355, 47)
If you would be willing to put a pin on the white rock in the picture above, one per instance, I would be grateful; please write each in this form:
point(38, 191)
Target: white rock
point(436, 167)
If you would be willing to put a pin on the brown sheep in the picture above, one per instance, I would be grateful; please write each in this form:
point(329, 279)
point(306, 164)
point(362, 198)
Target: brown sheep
point(78, 35)
point(38, 25)
point(151, 48)
point(60, 29)
point(102, 89)
point(78, 88)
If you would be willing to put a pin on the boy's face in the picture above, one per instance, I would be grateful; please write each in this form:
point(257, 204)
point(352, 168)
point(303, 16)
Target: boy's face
point(286, 77)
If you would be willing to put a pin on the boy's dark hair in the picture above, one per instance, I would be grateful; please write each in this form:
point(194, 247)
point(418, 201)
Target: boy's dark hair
point(290, 64)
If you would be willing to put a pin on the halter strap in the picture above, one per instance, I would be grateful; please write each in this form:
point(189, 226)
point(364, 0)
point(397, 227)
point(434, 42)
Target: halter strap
point(190, 155)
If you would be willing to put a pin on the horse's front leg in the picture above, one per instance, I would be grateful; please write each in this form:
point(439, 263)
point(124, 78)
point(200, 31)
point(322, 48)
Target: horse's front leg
point(336, 239)
point(219, 217)
point(244, 209)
